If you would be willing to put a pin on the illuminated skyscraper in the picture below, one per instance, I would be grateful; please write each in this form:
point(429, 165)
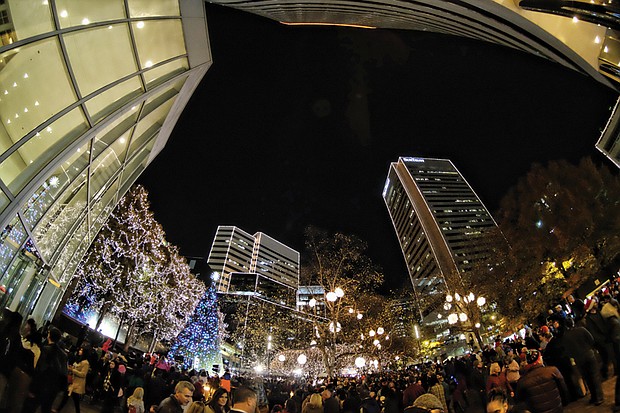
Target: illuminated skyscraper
point(438, 218)
point(255, 265)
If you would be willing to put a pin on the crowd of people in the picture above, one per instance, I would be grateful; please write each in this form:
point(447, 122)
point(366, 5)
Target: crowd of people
point(537, 369)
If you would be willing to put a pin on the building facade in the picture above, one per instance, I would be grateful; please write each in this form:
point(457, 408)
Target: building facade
point(438, 219)
point(89, 94)
point(255, 265)
point(580, 35)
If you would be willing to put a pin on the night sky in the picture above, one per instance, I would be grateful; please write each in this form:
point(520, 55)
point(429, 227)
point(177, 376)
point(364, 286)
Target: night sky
point(295, 126)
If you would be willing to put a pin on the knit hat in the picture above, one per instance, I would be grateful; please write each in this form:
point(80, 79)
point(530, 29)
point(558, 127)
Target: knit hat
point(428, 401)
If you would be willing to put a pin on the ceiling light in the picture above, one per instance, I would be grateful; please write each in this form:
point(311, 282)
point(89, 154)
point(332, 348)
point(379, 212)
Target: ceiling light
point(64, 13)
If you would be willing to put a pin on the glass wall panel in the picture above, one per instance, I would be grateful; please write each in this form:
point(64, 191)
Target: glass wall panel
point(119, 129)
point(158, 75)
point(105, 166)
point(45, 303)
point(82, 12)
point(12, 238)
point(4, 201)
point(34, 86)
point(17, 170)
point(75, 259)
point(55, 225)
point(27, 18)
point(149, 126)
point(69, 249)
point(146, 8)
point(135, 167)
point(100, 55)
point(107, 102)
point(101, 208)
point(158, 99)
point(158, 41)
point(44, 197)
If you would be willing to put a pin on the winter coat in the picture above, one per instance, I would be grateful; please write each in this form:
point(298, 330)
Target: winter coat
point(80, 370)
point(51, 372)
point(542, 389)
point(170, 405)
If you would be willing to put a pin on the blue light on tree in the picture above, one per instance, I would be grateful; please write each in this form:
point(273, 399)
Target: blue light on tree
point(198, 344)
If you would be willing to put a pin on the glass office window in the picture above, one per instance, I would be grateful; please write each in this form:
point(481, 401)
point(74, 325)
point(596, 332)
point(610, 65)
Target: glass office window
point(44, 197)
point(29, 18)
point(34, 86)
point(119, 129)
point(83, 12)
point(158, 75)
point(100, 55)
point(158, 41)
point(105, 103)
point(17, 170)
point(147, 8)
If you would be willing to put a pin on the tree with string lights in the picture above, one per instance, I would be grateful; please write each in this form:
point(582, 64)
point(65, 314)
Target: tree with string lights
point(338, 264)
point(132, 273)
point(199, 342)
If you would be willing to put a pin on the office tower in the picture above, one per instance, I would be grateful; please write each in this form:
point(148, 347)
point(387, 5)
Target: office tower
point(438, 219)
point(256, 265)
point(405, 316)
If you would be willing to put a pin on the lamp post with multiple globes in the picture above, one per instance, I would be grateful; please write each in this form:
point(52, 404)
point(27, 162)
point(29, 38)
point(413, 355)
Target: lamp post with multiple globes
point(466, 310)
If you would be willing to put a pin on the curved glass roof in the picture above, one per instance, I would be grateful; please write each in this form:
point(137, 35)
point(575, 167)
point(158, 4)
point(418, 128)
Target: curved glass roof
point(89, 93)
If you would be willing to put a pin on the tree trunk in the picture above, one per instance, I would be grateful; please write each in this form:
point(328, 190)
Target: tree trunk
point(326, 360)
point(153, 342)
point(102, 314)
point(118, 330)
point(130, 336)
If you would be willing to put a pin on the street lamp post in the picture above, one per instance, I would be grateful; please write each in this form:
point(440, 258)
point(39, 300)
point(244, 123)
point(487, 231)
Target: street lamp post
point(465, 309)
